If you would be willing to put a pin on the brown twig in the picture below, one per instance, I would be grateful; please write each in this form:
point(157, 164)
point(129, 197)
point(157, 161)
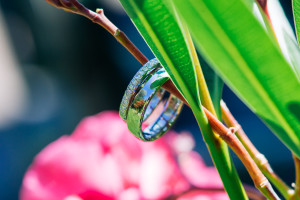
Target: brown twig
point(260, 181)
point(98, 17)
point(258, 158)
point(263, 4)
point(227, 135)
point(296, 195)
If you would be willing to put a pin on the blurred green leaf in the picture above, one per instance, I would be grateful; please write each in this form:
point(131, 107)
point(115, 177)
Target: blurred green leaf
point(292, 52)
point(247, 58)
point(296, 12)
point(284, 35)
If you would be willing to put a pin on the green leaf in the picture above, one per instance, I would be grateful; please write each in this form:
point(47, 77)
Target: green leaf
point(166, 38)
point(285, 35)
point(296, 12)
point(288, 34)
point(169, 40)
point(214, 84)
point(247, 58)
point(159, 81)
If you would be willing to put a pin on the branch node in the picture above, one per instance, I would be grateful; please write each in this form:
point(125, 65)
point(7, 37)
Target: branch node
point(94, 18)
point(99, 11)
point(264, 183)
point(237, 127)
point(261, 159)
point(231, 130)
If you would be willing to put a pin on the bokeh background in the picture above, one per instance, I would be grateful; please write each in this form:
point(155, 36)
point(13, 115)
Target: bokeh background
point(57, 67)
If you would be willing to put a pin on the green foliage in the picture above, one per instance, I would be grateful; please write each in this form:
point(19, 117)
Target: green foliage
point(296, 12)
point(214, 84)
point(249, 60)
point(168, 38)
point(292, 45)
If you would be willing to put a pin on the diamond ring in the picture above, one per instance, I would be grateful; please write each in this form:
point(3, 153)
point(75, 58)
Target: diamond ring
point(147, 114)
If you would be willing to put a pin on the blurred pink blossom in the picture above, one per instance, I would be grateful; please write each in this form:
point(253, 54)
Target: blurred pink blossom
point(103, 160)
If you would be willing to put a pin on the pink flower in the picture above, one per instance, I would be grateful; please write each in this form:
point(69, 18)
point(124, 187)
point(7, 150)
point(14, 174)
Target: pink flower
point(103, 160)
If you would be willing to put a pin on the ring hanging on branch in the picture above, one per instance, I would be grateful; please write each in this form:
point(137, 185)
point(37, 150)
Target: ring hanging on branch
point(141, 99)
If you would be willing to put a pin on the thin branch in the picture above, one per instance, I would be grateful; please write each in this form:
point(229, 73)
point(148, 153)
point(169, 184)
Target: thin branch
point(233, 142)
point(260, 181)
point(98, 17)
point(258, 158)
point(263, 4)
point(170, 87)
point(296, 195)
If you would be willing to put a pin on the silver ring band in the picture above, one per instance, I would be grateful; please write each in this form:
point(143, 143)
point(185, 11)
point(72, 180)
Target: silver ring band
point(143, 100)
point(138, 78)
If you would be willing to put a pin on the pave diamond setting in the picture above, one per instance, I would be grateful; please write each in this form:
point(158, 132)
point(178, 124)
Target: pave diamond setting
point(134, 84)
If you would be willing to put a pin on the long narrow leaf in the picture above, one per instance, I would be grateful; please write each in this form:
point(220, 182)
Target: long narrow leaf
point(161, 28)
point(296, 12)
point(248, 59)
point(153, 18)
point(214, 84)
point(284, 35)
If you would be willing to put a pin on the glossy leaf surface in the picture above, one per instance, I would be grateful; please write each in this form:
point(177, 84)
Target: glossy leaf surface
point(166, 38)
point(169, 40)
point(249, 60)
point(214, 84)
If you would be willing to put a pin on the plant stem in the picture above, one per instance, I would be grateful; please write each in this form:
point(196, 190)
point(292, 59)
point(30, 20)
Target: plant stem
point(296, 195)
point(260, 181)
point(258, 158)
point(98, 17)
point(263, 4)
point(124, 40)
point(258, 178)
point(217, 147)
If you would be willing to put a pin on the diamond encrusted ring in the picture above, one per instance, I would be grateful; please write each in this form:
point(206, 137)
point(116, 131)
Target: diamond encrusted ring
point(143, 99)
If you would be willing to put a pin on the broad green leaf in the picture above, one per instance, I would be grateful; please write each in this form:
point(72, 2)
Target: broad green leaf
point(166, 38)
point(169, 40)
point(248, 59)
